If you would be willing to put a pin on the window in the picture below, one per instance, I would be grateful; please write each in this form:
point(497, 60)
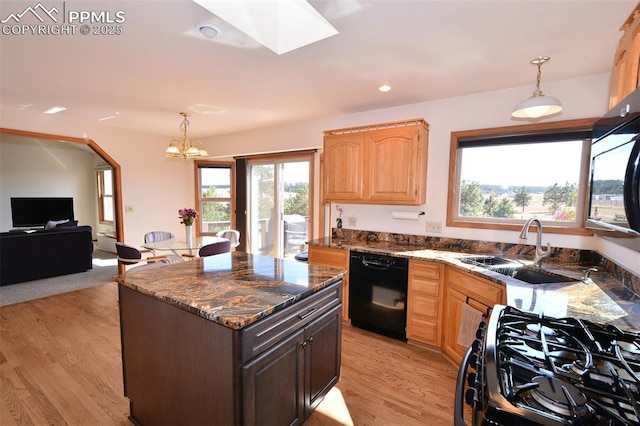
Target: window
point(500, 177)
point(105, 195)
point(215, 193)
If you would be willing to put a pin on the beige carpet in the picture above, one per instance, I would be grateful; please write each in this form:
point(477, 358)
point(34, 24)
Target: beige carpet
point(105, 268)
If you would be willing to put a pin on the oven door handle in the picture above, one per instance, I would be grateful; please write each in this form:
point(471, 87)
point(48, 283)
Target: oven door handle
point(458, 408)
point(375, 265)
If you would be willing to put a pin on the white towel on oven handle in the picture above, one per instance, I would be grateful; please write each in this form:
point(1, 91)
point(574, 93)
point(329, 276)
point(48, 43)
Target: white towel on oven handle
point(470, 318)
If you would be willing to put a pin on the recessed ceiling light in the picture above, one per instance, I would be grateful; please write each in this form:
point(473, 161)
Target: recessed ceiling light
point(55, 110)
point(384, 88)
point(208, 30)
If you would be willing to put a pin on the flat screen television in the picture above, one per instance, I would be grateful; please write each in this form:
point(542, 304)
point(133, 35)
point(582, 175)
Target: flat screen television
point(37, 211)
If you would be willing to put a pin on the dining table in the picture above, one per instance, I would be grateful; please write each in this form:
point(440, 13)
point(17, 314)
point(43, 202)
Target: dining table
point(181, 247)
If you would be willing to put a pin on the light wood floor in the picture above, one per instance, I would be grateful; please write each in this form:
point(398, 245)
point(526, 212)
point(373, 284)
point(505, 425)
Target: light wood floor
point(60, 364)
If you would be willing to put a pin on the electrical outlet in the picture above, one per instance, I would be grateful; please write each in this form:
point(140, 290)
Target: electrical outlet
point(128, 209)
point(435, 227)
point(351, 221)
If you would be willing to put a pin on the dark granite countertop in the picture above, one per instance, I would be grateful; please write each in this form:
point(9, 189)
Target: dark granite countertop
point(232, 289)
point(601, 299)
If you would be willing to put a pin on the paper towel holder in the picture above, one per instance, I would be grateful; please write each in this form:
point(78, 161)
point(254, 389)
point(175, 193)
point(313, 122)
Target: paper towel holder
point(406, 215)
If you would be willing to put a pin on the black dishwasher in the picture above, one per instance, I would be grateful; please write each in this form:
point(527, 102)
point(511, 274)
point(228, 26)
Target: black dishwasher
point(378, 293)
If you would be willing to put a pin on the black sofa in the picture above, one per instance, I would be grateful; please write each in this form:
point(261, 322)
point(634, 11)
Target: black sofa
point(27, 256)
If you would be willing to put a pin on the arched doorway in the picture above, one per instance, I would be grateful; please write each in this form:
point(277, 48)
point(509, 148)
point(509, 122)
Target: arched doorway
point(116, 172)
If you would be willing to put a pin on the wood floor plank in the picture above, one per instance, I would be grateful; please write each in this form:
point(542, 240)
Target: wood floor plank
point(60, 364)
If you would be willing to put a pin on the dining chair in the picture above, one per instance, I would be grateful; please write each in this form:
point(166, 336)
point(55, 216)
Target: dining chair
point(153, 236)
point(129, 255)
point(215, 248)
point(231, 235)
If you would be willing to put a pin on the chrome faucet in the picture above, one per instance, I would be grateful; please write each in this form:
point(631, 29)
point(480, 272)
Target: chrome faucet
point(540, 254)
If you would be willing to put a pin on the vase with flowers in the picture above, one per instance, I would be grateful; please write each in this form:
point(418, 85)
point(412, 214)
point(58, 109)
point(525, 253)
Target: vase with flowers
point(187, 216)
point(339, 218)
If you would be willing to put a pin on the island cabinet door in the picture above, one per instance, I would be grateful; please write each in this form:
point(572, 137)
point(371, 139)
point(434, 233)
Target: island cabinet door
point(285, 384)
point(322, 357)
point(273, 384)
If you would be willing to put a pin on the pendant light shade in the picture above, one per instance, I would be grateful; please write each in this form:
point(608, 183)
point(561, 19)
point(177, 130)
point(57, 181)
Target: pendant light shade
point(538, 105)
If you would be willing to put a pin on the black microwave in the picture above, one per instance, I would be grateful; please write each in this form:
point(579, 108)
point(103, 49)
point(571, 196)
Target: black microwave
point(614, 201)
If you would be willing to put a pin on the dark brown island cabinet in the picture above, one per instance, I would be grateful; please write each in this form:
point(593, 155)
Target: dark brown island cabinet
point(183, 369)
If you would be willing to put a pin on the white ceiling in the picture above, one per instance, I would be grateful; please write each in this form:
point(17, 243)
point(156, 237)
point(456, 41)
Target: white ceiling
point(424, 49)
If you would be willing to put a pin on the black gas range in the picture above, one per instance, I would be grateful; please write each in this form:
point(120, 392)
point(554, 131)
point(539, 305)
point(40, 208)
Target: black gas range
point(526, 369)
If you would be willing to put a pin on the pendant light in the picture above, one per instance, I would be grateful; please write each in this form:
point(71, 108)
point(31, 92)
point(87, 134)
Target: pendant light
point(537, 105)
point(185, 147)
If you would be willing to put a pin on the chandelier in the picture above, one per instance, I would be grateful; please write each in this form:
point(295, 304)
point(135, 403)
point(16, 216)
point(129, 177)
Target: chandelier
point(185, 147)
point(537, 105)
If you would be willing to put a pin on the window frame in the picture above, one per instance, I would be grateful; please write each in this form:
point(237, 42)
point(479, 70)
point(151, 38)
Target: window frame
point(204, 164)
point(575, 228)
point(100, 179)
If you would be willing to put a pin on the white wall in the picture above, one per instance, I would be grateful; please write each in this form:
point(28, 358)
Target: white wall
point(582, 98)
point(157, 187)
point(54, 170)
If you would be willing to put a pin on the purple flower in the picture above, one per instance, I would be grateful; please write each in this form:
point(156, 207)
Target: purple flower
point(187, 216)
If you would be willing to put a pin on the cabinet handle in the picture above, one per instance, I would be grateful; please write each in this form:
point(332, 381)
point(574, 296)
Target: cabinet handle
point(306, 314)
point(307, 342)
point(479, 305)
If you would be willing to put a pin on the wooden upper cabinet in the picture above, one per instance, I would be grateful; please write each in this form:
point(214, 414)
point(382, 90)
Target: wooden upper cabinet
point(396, 175)
point(344, 167)
point(625, 77)
point(377, 164)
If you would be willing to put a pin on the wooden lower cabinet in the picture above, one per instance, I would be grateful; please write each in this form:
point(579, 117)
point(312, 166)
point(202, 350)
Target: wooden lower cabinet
point(460, 288)
point(180, 368)
point(334, 258)
point(424, 302)
point(285, 384)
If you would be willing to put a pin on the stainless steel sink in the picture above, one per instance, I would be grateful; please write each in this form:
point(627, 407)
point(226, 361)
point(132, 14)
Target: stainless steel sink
point(515, 269)
point(539, 276)
point(491, 262)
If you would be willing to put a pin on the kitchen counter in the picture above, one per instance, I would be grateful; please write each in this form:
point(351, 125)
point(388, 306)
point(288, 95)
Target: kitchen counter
point(601, 299)
point(233, 338)
point(232, 289)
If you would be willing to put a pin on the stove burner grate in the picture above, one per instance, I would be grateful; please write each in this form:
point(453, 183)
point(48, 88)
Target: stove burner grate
point(559, 397)
point(564, 368)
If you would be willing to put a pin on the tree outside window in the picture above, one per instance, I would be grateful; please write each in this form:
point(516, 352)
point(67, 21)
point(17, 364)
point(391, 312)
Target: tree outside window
point(505, 176)
point(215, 197)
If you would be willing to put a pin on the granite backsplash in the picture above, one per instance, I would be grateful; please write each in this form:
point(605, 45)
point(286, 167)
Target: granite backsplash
point(559, 255)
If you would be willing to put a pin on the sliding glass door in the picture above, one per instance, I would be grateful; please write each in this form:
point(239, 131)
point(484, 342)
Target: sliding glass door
point(279, 204)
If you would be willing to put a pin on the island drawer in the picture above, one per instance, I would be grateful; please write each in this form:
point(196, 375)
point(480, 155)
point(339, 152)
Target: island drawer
point(267, 332)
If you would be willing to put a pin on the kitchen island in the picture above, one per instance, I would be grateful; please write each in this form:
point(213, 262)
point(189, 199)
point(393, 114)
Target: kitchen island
point(234, 338)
